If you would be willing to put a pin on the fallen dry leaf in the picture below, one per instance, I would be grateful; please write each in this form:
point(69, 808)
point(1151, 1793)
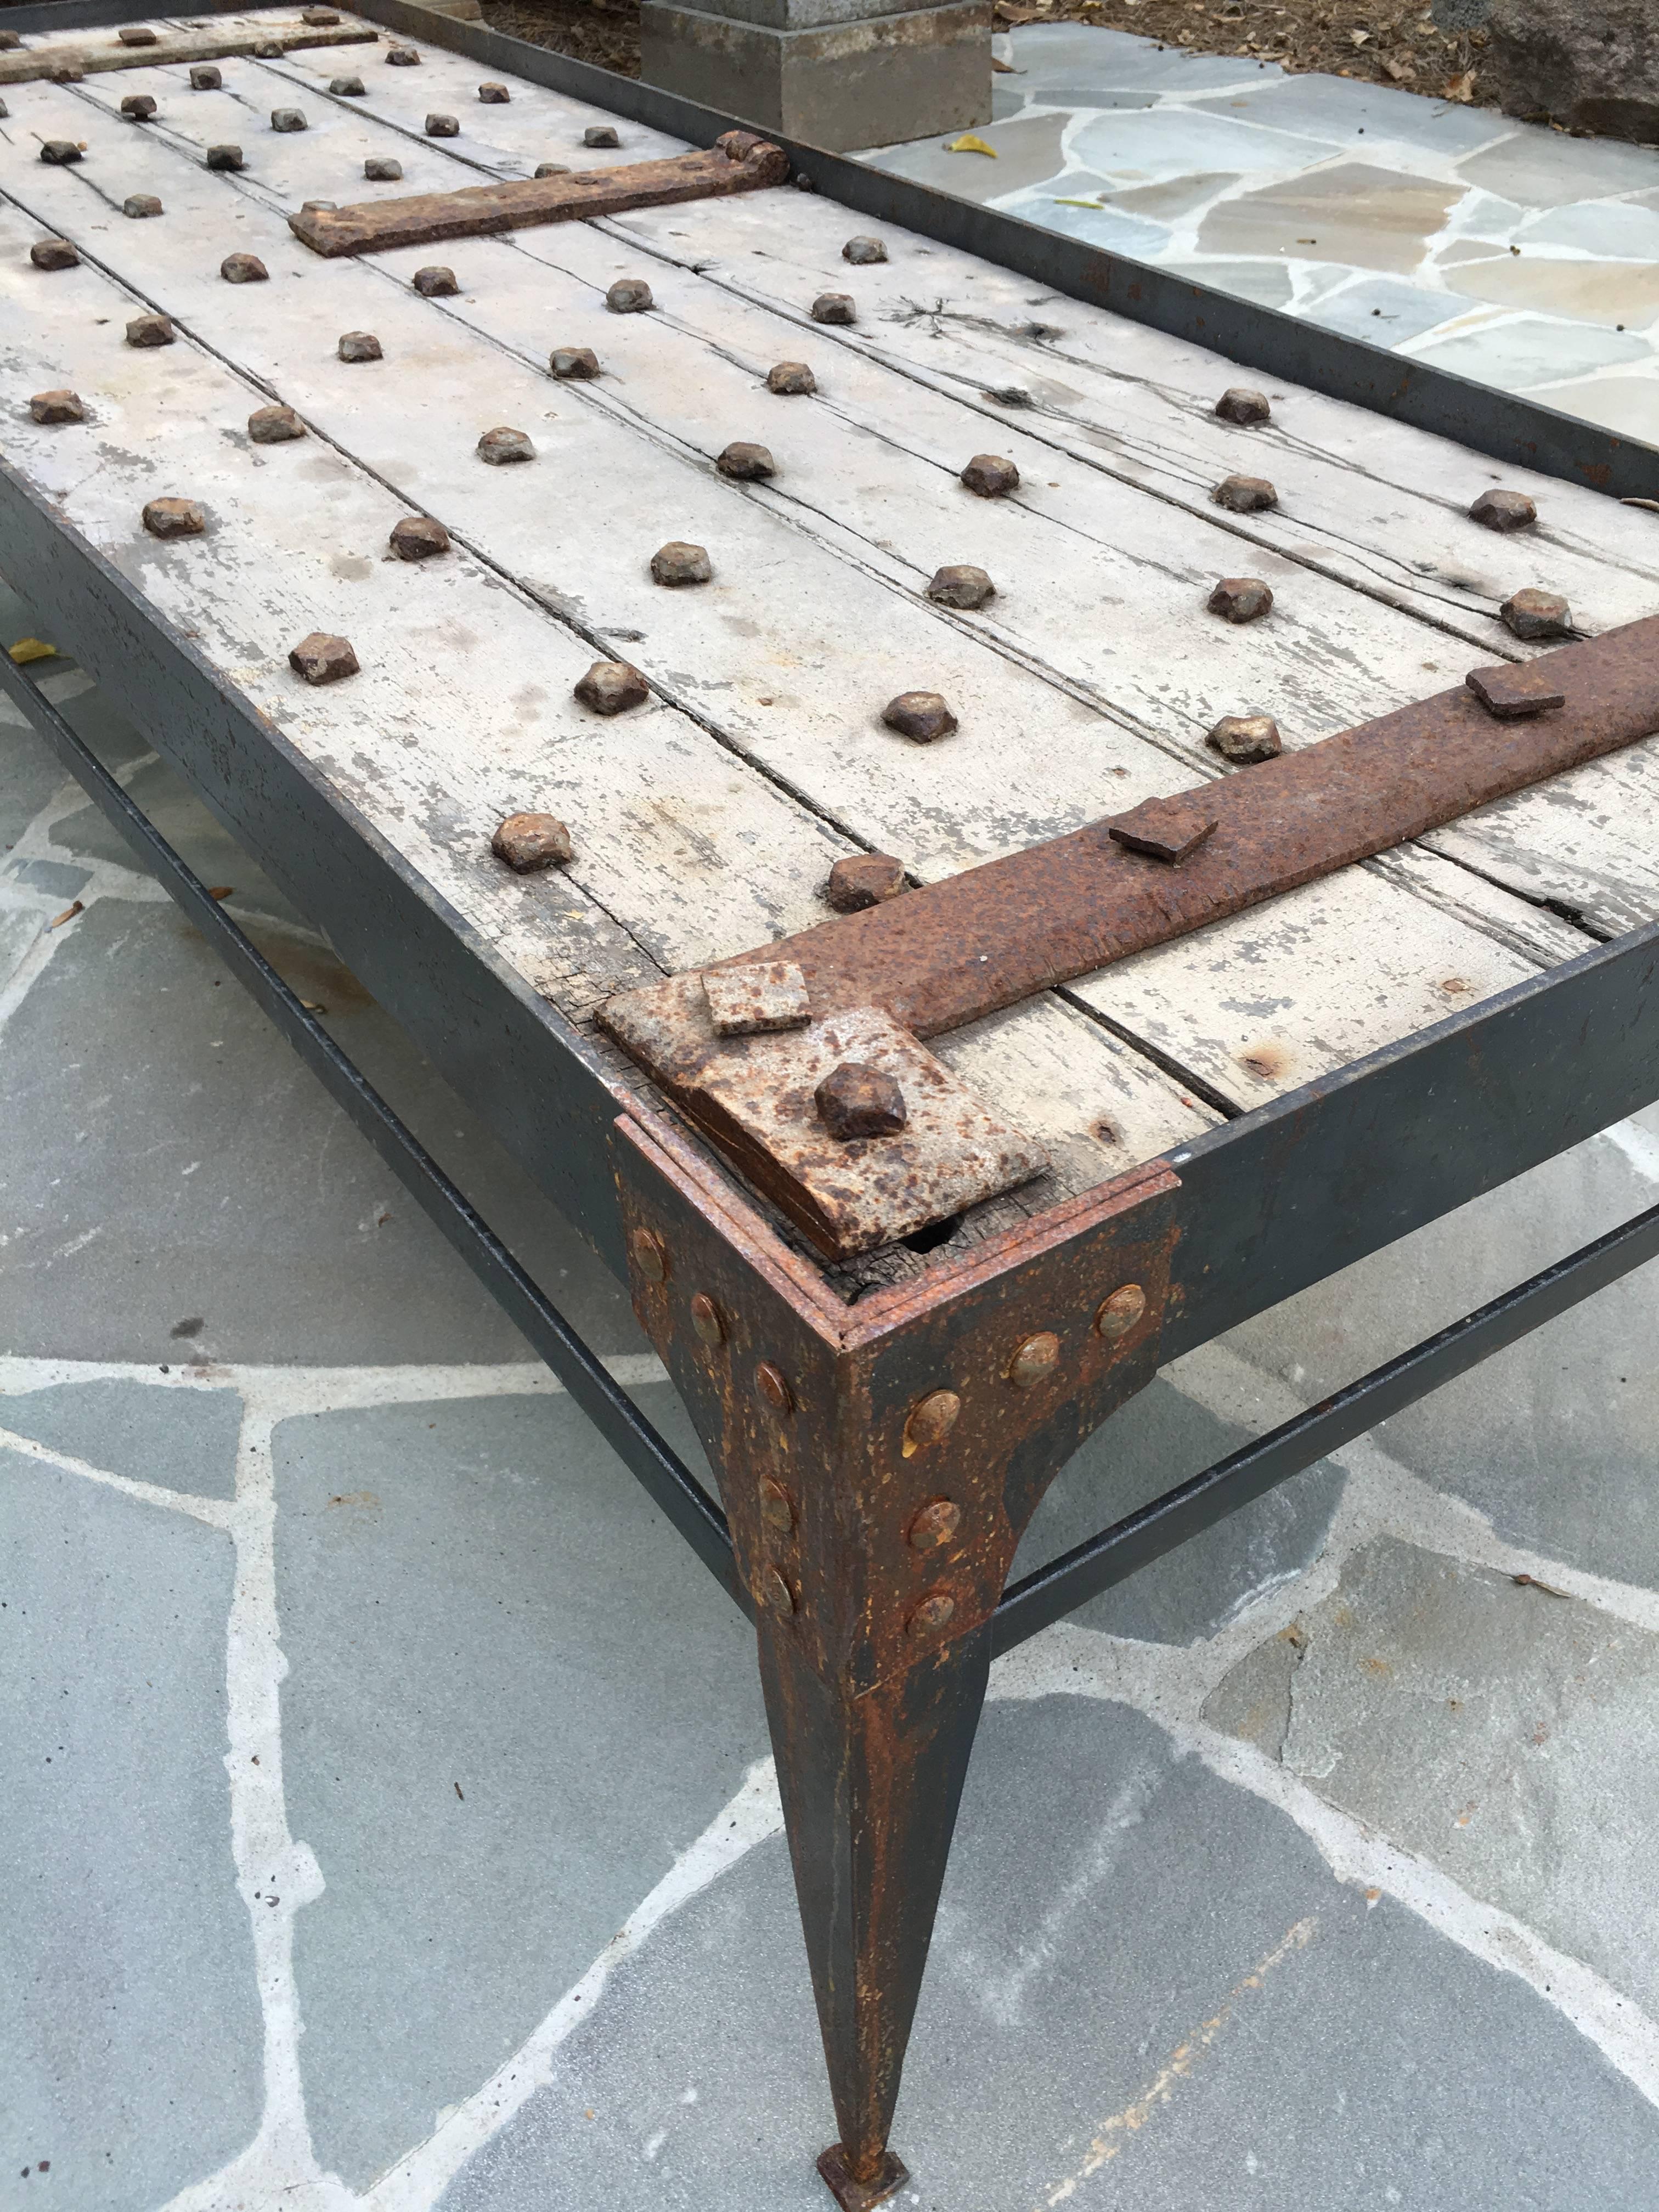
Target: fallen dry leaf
point(32, 649)
point(1460, 89)
point(968, 144)
point(1531, 1582)
point(68, 914)
point(219, 891)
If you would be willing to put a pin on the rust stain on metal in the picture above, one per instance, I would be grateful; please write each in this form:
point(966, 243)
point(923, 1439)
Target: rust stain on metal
point(1166, 828)
point(956, 950)
point(756, 999)
point(738, 161)
point(1510, 693)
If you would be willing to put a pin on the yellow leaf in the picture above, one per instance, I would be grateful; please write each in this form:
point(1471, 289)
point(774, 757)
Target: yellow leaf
point(32, 649)
point(969, 144)
point(1094, 204)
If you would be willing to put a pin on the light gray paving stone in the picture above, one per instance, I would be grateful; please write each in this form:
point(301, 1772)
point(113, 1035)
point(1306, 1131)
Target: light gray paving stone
point(1072, 54)
point(1171, 141)
point(1545, 168)
point(131, 2046)
point(174, 1161)
point(1268, 283)
point(29, 776)
point(182, 1438)
point(514, 1699)
point(1121, 233)
point(52, 879)
point(1089, 1999)
point(1357, 211)
point(1552, 1438)
point(1527, 350)
point(1506, 1734)
point(1384, 311)
point(1604, 229)
point(1028, 148)
point(1158, 1440)
point(1344, 111)
point(19, 927)
point(1628, 404)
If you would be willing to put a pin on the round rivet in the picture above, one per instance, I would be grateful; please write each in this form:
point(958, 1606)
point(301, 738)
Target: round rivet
point(936, 1525)
point(1120, 1313)
point(776, 1592)
point(935, 1613)
point(932, 1419)
point(775, 1510)
point(708, 1320)
point(1035, 1360)
point(772, 1390)
point(650, 1256)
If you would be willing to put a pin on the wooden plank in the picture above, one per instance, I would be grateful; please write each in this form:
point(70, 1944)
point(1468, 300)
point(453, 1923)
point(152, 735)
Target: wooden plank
point(669, 825)
point(737, 163)
point(97, 52)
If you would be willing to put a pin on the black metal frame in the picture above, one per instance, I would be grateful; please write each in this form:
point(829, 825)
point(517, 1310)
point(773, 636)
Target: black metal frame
point(1508, 427)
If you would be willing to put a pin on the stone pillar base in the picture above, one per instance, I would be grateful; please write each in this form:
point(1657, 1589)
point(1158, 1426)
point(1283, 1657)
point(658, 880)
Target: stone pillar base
point(871, 82)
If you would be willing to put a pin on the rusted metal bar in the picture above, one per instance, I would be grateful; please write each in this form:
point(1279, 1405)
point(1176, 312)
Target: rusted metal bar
point(738, 161)
point(32, 63)
point(993, 935)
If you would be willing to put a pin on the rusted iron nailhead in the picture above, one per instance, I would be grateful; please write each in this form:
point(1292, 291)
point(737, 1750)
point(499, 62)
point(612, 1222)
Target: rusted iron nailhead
point(150, 331)
point(1163, 828)
point(610, 687)
point(932, 1419)
point(223, 157)
point(269, 50)
point(204, 76)
point(1503, 510)
point(443, 126)
point(864, 879)
point(402, 57)
point(746, 464)
point(650, 1254)
point(921, 715)
point(863, 251)
point(1034, 1360)
point(779, 1596)
point(135, 34)
point(1116, 1316)
point(348, 88)
point(418, 537)
point(64, 73)
point(274, 426)
point(936, 1611)
point(501, 446)
point(383, 169)
point(1245, 494)
point(530, 841)
point(935, 1526)
point(1240, 598)
point(776, 1509)
point(322, 659)
point(174, 518)
point(58, 153)
point(1239, 403)
point(961, 584)
point(1510, 694)
point(708, 1321)
point(856, 1100)
point(574, 364)
point(601, 133)
point(244, 269)
point(628, 295)
point(1535, 614)
point(359, 345)
point(54, 253)
point(287, 118)
point(61, 405)
point(552, 168)
point(788, 377)
point(494, 95)
point(435, 283)
point(1246, 738)
point(139, 106)
point(10, 42)
point(138, 204)
point(991, 475)
point(773, 1391)
point(833, 307)
point(676, 562)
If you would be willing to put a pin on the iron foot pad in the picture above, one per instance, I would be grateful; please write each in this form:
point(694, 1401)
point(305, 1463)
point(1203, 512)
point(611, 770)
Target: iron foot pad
point(853, 2196)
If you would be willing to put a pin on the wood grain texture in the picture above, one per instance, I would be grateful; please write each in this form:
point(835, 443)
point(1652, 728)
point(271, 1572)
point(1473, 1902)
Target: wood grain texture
point(96, 53)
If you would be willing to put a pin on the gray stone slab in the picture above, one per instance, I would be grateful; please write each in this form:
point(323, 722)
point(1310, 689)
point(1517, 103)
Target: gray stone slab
point(1065, 54)
point(1158, 1440)
point(20, 928)
point(1027, 149)
point(1601, 230)
point(130, 2042)
point(1505, 1735)
point(50, 878)
point(182, 1437)
point(1385, 312)
point(171, 1162)
point(1176, 197)
point(1091, 2000)
point(1629, 404)
point(1169, 141)
point(1521, 351)
point(30, 777)
point(1357, 212)
point(1553, 1438)
point(514, 1699)
point(1545, 168)
point(1341, 111)
point(1268, 283)
point(1050, 204)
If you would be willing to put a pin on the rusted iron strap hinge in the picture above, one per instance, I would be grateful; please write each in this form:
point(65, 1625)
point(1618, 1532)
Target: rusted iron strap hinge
point(31, 63)
point(737, 162)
